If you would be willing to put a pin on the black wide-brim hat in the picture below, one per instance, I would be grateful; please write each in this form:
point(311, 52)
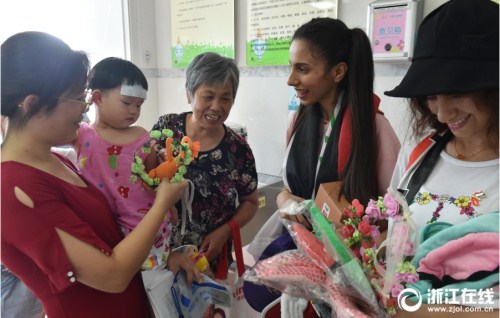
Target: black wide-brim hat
point(456, 51)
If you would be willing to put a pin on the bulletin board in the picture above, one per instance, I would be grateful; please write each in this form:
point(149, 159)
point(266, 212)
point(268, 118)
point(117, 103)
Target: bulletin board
point(201, 26)
point(392, 27)
point(271, 24)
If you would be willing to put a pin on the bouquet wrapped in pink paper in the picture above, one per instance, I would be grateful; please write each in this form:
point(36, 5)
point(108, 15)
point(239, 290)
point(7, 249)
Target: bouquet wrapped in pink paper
point(343, 267)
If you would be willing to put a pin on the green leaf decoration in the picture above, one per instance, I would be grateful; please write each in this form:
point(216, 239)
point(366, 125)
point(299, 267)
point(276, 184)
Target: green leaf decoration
point(155, 134)
point(177, 178)
point(112, 161)
point(182, 170)
point(167, 133)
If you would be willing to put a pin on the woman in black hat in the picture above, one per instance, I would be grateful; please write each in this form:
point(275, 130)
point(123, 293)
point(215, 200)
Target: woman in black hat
point(452, 175)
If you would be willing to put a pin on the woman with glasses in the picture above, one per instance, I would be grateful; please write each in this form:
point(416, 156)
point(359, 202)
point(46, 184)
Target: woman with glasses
point(58, 234)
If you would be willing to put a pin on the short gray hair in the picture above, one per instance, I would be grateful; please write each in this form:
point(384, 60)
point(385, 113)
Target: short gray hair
point(211, 69)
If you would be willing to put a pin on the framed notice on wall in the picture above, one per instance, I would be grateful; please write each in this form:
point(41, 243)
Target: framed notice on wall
point(271, 24)
point(392, 26)
point(201, 26)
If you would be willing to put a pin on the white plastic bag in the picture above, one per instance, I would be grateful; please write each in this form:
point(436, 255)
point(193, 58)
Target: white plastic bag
point(234, 281)
point(271, 229)
point(193, 302)
point(158, 284)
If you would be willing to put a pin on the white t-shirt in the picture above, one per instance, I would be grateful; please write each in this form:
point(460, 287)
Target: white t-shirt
point(448, 194)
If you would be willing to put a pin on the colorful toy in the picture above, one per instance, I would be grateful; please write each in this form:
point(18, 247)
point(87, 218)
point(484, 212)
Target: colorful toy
point(178, 154)
point(174, 167)
point(201, 262)
point(197, 257)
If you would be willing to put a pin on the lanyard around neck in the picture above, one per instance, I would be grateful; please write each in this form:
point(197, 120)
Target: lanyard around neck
point(326, 137)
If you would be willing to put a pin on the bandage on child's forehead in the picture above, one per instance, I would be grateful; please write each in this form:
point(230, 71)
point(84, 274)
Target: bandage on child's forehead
point(134, 91)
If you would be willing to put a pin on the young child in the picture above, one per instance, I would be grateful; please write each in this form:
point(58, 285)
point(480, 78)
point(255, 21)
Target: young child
point(107, 147)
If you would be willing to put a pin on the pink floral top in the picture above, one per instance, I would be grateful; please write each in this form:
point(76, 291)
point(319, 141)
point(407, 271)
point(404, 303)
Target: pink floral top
point(108, 167)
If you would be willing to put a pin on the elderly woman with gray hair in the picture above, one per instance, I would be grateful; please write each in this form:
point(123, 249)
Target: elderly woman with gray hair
point(224, 174)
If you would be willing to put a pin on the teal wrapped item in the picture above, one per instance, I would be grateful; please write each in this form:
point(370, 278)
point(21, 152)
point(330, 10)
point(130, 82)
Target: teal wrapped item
point(441, 235)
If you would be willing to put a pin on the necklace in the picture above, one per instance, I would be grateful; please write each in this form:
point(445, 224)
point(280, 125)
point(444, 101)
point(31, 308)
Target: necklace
point(462, 157)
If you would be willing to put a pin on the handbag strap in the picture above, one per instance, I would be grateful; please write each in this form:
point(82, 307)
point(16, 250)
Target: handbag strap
point(426, 166)
point(238, 249)
point(222, 260)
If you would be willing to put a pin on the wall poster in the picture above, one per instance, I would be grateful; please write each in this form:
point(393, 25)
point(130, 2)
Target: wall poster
point(271, 24)
point(391, 28)
point(389, 31)
point(200, 26)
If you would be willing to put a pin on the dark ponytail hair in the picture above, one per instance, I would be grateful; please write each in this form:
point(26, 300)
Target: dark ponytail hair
point(333, 41)
point(360, 174)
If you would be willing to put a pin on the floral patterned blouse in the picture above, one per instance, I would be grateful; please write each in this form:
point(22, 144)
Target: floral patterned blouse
point(220, 176)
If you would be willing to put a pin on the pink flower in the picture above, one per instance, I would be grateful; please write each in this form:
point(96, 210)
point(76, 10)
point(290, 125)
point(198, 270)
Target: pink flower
point(358, 208)
point(397, 217)
point(409, 249)
point(114, 150)
point(356, 253)
point(373, 211)
point(347, 213)
point(348, 230)
point(396, 289)
point(407, 277)
point(412, 278)
point(376, 233)
point(366, 258)
point(367, 242)
point(365, 228)
point(391, 302)
point(391, 205)
point(366, 218)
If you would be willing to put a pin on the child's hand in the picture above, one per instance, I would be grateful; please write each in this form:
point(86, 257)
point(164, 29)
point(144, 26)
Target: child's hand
point(169, 193)
point(177, 261)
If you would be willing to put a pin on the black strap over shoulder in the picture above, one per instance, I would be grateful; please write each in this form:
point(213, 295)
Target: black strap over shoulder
point(426, 166)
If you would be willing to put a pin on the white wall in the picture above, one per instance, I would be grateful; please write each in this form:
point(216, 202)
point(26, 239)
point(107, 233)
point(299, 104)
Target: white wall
point(99, 29)
point(261, 103)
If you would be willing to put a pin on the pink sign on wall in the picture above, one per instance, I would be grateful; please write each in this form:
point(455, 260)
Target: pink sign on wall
point(388, 33)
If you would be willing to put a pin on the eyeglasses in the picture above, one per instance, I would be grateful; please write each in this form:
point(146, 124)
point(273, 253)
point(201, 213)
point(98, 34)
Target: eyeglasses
point(85, 101)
